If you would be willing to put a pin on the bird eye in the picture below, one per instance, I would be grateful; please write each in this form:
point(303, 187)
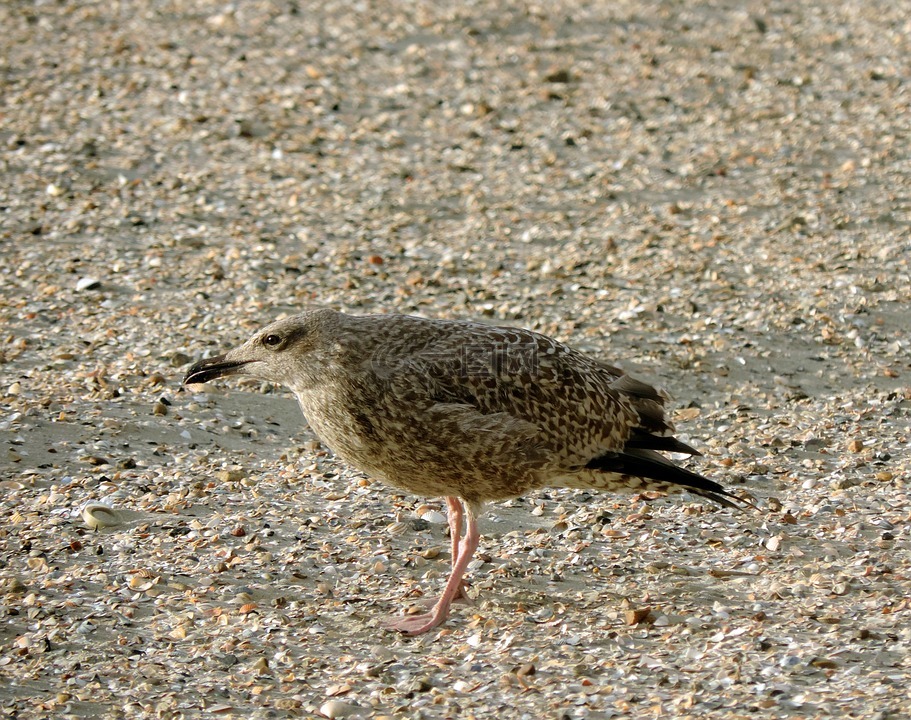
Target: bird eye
point(272, 340)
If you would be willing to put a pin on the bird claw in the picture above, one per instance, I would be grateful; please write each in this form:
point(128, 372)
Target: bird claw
point(414, 624)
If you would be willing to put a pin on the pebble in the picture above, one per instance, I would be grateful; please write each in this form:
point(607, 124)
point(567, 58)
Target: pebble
point(338, 709)
point(559, 75)
point(15, 586)
point(230, 476)
point(635, 616)
point(421, 685)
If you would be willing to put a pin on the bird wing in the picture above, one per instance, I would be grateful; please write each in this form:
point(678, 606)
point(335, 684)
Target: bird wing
point(497, 437)
point(579, 418)
point(583, 407)
point(580, 407)
point(535, 402)
point(454, 449)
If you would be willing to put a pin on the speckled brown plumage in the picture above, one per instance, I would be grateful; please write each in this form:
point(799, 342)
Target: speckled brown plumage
point(465, 411)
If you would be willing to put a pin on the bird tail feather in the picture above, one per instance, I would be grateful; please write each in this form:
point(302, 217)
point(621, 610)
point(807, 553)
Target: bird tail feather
point(650, 465)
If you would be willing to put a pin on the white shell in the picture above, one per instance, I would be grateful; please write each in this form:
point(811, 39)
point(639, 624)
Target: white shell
point(434, 516)
point(99, 515)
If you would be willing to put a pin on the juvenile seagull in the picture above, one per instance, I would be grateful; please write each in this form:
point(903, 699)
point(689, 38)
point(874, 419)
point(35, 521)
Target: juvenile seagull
point(466, 411)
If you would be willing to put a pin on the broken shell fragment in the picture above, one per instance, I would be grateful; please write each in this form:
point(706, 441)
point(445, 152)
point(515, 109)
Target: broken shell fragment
point(99, 515)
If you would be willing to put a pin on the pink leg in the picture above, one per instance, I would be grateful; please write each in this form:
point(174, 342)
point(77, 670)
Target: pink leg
point(456, 513)
point(417, 624)
point(455, 525)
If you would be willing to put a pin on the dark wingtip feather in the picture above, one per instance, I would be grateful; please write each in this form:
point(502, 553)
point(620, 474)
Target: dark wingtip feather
point(660, 442)
point(727, 499)
point(629, 385)
point(646, 463)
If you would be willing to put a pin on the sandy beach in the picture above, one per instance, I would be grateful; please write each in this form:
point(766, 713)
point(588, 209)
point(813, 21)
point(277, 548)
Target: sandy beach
point(713, 196)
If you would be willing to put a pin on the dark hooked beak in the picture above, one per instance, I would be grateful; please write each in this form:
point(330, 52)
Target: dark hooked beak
point(211, 368)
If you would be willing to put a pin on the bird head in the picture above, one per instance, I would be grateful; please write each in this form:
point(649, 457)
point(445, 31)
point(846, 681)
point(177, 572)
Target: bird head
point(288, 352)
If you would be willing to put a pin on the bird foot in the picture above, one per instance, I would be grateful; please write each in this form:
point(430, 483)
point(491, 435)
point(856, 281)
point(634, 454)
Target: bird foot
point(422, 622)
point(415, 624)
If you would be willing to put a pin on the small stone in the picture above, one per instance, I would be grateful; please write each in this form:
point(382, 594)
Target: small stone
point(247, 128)
point(559, 75)
point(421, 685)
point(338, 709)
point(233, 475)
point(844, 483)
point(856, 445)
point(636, 616)
point(159, 408)
point(179, 359)
point(15, 586)
point(227, 660)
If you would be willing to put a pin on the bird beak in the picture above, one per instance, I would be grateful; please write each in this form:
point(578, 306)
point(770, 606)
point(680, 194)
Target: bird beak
point(211, 368)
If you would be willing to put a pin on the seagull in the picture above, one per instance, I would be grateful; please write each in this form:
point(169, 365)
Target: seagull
point(469, 412)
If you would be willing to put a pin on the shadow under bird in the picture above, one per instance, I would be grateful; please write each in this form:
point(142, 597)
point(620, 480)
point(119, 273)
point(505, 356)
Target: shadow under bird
point(465, 411)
